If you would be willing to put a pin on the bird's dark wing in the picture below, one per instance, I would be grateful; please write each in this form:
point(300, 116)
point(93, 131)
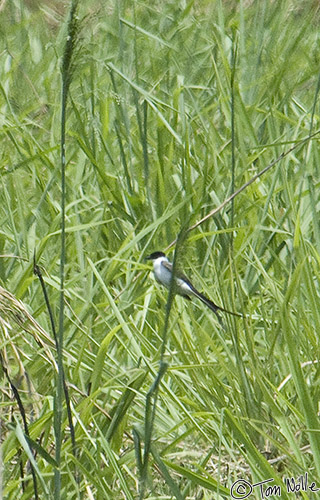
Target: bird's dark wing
point(167, 265)
point(177, 273)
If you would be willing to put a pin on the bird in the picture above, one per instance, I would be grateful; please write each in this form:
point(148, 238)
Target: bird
point(162, 270)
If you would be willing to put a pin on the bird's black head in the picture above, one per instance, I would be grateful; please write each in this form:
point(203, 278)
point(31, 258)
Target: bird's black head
point(155, 255)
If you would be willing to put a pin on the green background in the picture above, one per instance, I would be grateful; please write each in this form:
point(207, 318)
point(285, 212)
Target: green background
point(172, 107)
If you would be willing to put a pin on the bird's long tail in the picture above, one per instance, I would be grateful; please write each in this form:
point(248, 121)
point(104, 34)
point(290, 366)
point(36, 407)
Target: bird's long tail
point(212, 305)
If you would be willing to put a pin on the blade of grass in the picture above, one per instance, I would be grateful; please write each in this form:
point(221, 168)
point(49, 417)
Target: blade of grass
point(66, 75)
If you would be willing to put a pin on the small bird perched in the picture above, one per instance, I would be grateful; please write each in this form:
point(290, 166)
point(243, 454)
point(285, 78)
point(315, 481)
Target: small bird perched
point(162, 269)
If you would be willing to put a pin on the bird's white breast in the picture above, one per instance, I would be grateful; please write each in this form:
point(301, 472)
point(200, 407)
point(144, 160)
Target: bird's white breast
point(162, 274)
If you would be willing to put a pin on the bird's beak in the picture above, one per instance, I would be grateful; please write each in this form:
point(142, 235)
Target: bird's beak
point(148, 257)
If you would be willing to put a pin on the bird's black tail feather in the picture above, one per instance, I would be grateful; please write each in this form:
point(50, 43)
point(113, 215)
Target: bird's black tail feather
point(212, 305)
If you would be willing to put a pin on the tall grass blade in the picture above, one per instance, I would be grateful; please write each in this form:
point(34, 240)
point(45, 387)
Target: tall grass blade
point(66, 74)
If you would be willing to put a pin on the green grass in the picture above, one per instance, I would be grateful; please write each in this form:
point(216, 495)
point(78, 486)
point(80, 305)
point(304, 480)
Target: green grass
point(171, 107)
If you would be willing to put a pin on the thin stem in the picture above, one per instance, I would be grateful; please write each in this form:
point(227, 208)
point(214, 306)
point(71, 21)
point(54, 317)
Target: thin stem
point(66, 80)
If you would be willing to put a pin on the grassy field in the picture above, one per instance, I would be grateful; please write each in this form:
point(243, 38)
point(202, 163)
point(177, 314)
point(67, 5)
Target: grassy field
point(170, 108)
